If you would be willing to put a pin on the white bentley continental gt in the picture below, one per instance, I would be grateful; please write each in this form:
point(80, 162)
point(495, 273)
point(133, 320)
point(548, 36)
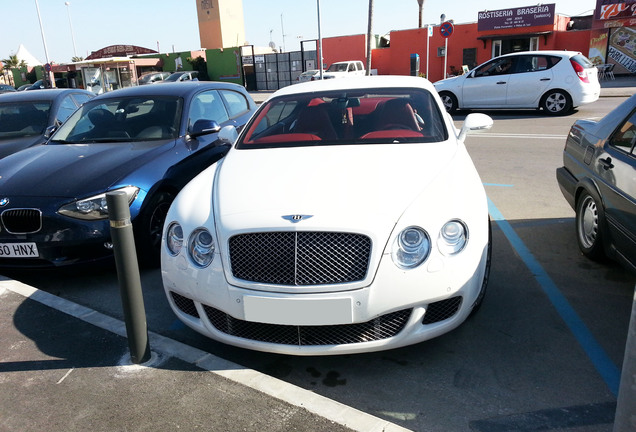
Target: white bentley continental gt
point(347, 217)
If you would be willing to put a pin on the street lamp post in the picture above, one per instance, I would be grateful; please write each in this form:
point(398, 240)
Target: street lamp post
point(49, 72)
point(70, 23)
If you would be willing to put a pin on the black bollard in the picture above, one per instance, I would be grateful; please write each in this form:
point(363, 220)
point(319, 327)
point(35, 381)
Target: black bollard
point(121, 231)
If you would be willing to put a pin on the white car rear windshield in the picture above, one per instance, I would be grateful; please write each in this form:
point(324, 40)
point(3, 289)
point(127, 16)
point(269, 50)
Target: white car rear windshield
point(347, 117)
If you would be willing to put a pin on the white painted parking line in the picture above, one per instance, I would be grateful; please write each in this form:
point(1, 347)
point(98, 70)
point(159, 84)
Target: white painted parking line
point(270, 386)
point(518, 136)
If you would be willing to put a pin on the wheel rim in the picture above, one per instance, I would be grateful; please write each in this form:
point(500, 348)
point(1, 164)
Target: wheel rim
point(588, 223)
point(155, 228)
point(555, 102)
point(448, 102)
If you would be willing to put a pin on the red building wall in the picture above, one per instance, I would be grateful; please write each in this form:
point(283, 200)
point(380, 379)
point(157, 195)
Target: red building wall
point(343, 48)
point(395, 60)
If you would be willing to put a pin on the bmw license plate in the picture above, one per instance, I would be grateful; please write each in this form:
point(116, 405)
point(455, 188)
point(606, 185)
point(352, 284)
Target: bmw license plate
point(19, 250)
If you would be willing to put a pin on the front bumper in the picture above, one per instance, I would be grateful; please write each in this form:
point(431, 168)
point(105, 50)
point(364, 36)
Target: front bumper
point(60, 241)
point(359, 320)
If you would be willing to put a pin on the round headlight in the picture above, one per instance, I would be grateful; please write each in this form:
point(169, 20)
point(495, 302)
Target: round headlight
point(411, 248)
point(452, 237)
point(201, 247)
point(174, 238)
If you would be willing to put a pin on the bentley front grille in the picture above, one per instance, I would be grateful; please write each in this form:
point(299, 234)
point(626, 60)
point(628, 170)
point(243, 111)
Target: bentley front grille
point(300, 258)
point(382, 327)
point(22, 221)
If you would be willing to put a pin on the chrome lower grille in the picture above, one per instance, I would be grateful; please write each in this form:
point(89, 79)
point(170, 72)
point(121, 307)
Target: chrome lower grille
point(300, 258)
point(22, 221)
point(382, 327)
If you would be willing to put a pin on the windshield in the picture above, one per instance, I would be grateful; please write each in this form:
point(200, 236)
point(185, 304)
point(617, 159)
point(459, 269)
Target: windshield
point(174, 77)
point(21, 119)
point(366, 116)
point(139, 118)
point(338, 67)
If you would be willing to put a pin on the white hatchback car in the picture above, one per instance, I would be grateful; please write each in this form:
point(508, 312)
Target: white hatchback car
point(555, 81)
point(347, 217)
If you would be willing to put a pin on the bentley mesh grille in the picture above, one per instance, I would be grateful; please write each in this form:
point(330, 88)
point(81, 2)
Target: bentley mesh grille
point(185, 305)
point(441, 310)
point(300, 258)
point(383, 327)
point(22, 221)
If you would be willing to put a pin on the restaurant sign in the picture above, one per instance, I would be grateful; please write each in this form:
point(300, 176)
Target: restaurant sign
point(530, 16)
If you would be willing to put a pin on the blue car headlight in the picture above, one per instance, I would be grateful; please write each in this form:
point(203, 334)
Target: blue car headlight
point(95, 208)
point(411, 248)
point(201, 247)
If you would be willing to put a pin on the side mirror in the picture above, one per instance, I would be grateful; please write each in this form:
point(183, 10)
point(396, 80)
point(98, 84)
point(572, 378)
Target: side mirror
point(204, 127)
point(49, 131)
point(474, 122)
point(228, 135)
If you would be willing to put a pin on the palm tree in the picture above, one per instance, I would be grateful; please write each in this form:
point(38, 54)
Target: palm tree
point(77, 59)
point(10, 63)
point(369, 37)
point(13, 62)
point(419, 14)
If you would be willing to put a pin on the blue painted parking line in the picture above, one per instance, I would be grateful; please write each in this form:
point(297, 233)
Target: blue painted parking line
point(605, 367)
point(497, 184)
point(177, 325)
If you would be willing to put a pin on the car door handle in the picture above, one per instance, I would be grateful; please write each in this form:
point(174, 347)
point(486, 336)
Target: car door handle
point(606, 163)
point(544, 79)
point(501, 82)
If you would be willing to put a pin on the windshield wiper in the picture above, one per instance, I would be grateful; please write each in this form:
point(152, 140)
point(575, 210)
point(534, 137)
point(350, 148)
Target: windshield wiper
point(104, 140)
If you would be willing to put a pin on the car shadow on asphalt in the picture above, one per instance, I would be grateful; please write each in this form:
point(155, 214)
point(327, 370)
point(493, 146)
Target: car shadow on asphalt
point(460, 115)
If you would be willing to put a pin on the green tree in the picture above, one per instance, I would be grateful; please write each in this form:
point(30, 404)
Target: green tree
point(77, 59)
point(10, 63)
point(199, 64)
point(13, 62)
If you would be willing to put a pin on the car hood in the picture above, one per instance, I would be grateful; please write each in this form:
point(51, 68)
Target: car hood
point(12, 145)
point(448, 82)
point(73, 170)
point(356, 187)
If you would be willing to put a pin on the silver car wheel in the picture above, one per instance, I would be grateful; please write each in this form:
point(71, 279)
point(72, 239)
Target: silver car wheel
point(449, 101)
point(556, 102)
point(588, 223)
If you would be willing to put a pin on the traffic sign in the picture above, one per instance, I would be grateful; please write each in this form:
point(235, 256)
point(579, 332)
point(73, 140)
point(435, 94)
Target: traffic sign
point(446, 29)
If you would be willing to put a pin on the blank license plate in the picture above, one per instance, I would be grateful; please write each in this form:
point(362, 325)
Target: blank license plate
point(19, 250)
point(298, 311)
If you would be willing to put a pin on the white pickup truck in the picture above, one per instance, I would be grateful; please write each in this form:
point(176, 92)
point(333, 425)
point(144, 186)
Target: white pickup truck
point(345, 69)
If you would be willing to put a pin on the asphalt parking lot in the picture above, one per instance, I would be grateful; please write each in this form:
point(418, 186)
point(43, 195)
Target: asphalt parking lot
point(543, 353)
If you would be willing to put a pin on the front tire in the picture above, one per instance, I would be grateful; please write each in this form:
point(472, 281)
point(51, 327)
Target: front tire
point(150, 228)
point(450, 101)
point(556, 102)
point(484, 283)
point(589, 226)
